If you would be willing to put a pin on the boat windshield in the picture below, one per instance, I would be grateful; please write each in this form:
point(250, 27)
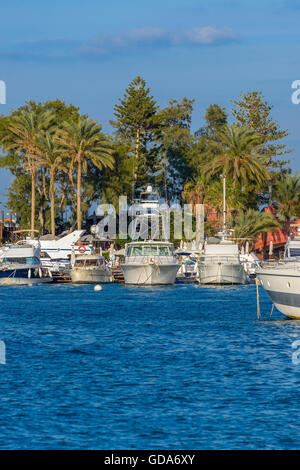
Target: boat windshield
point(164, 251)
point(136, 251)
point(79, 263)
point(150, 250)
point(149, 197)
point(28, 260)
point(88, 262)
point(92, 262)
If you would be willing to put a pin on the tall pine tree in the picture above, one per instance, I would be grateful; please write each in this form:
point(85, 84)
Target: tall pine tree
point(254, 112)
point(136, 119)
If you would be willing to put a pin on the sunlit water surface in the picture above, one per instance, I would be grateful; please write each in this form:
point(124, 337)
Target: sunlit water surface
point(179, 367)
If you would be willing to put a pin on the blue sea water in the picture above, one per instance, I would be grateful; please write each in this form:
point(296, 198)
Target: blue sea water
point(181, 367)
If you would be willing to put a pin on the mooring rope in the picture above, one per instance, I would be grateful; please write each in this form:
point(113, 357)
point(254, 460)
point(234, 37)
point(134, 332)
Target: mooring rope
point(257, 298)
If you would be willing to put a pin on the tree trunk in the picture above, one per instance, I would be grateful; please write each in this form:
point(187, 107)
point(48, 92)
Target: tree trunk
point(137, 149)
point(42, 217)
point(44, 183)
point(52, 189)
point(33, 173)
point(79, 195)
point(135, 161)
point(137, 144)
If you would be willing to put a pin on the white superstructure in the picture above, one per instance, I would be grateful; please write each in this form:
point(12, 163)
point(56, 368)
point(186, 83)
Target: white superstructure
point(220, 264)
point(61, 248)
point(20, 265)
point(150, 263)
point(90, 269)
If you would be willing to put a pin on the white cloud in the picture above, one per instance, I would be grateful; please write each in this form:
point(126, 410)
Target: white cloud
point(144, 37)
point(137, 39)
point(211, 35)
point(134, 38)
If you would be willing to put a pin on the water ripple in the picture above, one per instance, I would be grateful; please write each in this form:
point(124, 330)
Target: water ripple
point(166, 368)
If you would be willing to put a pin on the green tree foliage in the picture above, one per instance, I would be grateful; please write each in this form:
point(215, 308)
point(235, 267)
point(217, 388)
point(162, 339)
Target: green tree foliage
point(62, 162)
point(136, 120)
point(174, 140)
point(216, 118)
point(117, 181)
point(200, 153)
point(49, 156)
point(287, 197)
point(249, 224)
point(254, 112)
point(20, 138)
point(65, 197)
point(19, 198)
point(237, 156)
point(79, 142)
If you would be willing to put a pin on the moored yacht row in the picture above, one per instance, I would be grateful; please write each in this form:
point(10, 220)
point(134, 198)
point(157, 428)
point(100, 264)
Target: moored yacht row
point(216, 261)
point(151, 262)
point(146, 262)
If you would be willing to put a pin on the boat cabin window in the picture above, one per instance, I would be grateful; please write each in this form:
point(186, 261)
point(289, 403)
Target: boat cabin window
point(79, 263)
point(88, 262)
point(164, 251)
point(150, 250)
point(28, 260)
point(136, 251)
point(149, 197)
point(91, 262)
point(294, 252)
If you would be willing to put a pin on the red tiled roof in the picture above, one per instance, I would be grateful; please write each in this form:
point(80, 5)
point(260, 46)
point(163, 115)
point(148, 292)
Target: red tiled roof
point(279, 237)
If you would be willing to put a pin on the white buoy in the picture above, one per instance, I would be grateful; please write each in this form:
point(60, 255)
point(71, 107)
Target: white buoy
point(98, 287)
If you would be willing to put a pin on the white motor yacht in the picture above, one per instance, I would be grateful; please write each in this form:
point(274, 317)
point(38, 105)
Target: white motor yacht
point(20, 265)
point(249, 262)
point(145, 211)
point(220, 264)
point(150, 263)
point(56, 254)
point(90, 269)
point(62, 247)
point(281, 281)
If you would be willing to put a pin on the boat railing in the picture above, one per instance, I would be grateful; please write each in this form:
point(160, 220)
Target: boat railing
point(280, 263)
point(222, 259)
point(148, 259)
point(189, 268)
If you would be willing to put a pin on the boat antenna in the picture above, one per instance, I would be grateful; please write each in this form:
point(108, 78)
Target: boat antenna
point(224, 204)
point(165, 178)
point(133, 158)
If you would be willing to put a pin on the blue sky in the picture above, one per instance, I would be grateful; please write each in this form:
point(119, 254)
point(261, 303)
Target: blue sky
point(210, 50)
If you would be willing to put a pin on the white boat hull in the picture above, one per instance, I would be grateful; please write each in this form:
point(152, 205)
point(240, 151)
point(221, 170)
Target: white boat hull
point(218, 273)
point(90, 276)
point(15, 281)
point(149, 274)
point(283, 287)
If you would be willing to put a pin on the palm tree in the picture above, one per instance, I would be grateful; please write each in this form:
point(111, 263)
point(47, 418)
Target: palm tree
point(249, 224)
point(236, 156)
point(21, 136)
point(79, 142)
point(50, 157)
point(194, 192)
point(287, 196)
